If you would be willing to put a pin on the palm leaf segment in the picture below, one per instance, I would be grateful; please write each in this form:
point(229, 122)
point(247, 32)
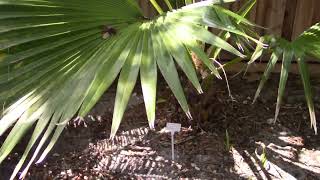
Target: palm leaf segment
point(57, 58)
point(307, 44)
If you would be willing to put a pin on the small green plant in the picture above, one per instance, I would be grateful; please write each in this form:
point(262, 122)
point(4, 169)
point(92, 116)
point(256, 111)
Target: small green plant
point(306, 45)
point(263, 157)
point(227, 142)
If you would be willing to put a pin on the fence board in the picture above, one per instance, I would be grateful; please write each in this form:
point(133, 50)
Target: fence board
point(275, 20)
point(270, 14)
point(289, 17)
point(304, 16)
point(316, 12)
point(147, 8)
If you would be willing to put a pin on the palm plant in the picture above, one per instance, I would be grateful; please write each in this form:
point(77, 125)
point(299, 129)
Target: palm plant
point(307, 44)
point(58, 57)
point(242, 42)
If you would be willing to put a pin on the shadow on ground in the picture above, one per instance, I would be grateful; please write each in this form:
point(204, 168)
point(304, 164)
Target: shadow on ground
point(258, 149)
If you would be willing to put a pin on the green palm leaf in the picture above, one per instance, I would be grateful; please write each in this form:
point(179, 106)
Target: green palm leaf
point(225, 35)
point(285, 69)
point(148, 75)
point(270, 66)
point(307, 44)
point(305, 77)
point(309, 41)
point(57, 58)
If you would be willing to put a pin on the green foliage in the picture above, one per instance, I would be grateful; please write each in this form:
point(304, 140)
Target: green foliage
point(227, 142)
point(226, 35)
point(263, 157)
point(307, 44)
point(57, 58)
point(309, 41)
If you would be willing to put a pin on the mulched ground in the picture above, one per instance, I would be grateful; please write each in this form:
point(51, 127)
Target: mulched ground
point(258, 149)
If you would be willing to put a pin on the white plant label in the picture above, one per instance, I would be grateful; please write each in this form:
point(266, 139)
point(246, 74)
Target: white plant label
point(173, 127)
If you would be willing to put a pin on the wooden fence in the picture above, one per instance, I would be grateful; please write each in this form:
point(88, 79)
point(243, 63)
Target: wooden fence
point(286, 18)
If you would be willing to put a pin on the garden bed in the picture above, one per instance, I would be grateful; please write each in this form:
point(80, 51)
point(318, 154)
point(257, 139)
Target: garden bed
point(291, 148)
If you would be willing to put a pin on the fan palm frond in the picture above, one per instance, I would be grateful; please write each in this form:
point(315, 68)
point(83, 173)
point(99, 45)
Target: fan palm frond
point(244, 28)
point(58, 57)
point(309, 41)
point(307, 44)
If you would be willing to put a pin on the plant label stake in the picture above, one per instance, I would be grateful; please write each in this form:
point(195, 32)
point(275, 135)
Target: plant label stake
point(173, 127)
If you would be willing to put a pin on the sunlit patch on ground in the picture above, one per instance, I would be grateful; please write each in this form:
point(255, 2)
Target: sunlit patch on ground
point(141, 153)
point(259, 149)
point(124, 139)
point(132, 155)
point(285, 160)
